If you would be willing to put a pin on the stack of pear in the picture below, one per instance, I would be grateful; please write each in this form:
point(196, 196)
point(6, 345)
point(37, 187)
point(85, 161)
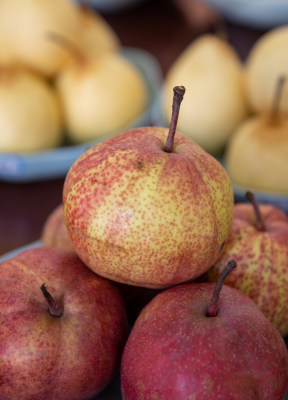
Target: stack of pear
point(257, 153)
point(216, 99)
point(28, 44)
point(79, 72)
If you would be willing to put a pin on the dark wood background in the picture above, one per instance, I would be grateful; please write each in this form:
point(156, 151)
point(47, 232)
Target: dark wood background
point(156, 26)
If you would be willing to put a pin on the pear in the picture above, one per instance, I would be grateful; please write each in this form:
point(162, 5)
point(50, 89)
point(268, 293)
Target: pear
point(267, 60)
point(148, 207)
point(203, 341)
point(23, 28)
point(54, 232)
point(216, 99)
point(101, 94)
point(96, 34)
point(258, 242)
point(256, 156)
point(30, 112)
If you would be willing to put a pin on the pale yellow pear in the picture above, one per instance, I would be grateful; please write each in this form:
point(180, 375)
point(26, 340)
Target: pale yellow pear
point(267, 60)
point(100, 95)
point(216, 101)
point(257, 155)
point(96, 34)
point(24, 28)
point(30, 113)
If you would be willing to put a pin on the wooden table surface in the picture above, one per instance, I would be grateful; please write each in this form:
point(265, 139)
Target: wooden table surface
point(154, 25)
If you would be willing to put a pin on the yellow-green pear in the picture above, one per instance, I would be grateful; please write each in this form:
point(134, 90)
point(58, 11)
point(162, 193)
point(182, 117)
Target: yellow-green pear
point(24, 25)
point(257, 154)
point(30, 113)
point(100, 95)
point(267, 60)
point(216, 100)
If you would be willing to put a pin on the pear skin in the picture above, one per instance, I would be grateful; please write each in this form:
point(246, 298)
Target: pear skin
point(176, 352)
point(64, 346)
point(139, 215)
point(54, 232)
point(256, 156)
point(215, 102)
point(96, 102)
point(31, 116)
point(262, 260)
point(24, 28)
point(97, 35)
point(267, 61)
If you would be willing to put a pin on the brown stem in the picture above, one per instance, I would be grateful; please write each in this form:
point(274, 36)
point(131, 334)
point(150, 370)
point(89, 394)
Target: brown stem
point(277, 97)
point(85, 5)
point(55, 308)
point(220, 28)
point(213, 306)
point(66, 44)
point(177, 99)
point(259, 220)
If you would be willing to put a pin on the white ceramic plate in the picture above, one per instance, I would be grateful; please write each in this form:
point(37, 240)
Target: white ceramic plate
point(55, 163)
point(262, 14)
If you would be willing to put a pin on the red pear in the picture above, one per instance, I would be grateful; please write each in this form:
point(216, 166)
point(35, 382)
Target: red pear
point(189, 343)
point(258, 241)
point(62, 327)
point(54, 232)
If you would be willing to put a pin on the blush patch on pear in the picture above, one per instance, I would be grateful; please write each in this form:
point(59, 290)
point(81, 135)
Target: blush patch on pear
point(142, 214)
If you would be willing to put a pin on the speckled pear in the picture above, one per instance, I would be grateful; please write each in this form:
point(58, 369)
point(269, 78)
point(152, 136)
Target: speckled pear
point(141, 213)
point(258, 243)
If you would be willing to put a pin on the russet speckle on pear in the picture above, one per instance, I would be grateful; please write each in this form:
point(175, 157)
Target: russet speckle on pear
point(139, 215)
point(262, 261)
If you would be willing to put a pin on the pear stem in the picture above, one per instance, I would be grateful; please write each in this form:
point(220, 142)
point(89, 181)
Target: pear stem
point(213, 306)
point(259, 220)
point(55, 308)
point(277, 97)
point(220, 28)
point(177, 99)
point(85, 5)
